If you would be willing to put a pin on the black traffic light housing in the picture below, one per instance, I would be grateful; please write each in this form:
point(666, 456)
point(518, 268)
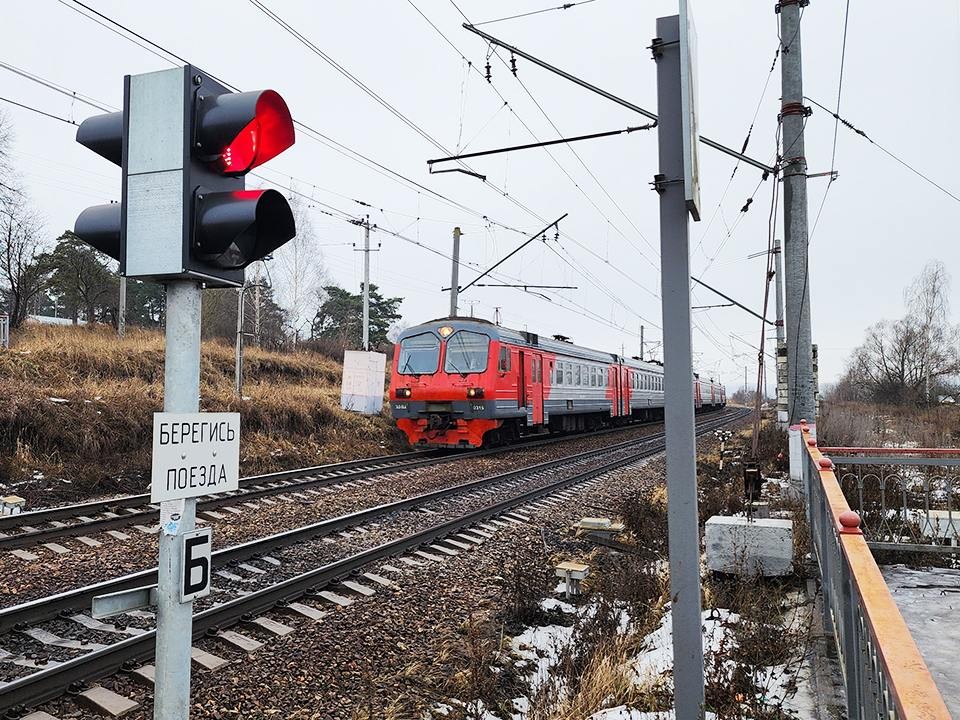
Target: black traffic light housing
point(184, 142)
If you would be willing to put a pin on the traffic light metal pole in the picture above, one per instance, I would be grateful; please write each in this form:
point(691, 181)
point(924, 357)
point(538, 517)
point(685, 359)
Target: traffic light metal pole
point(455, 272)
point(682, 521)
point(366, 284)
point(181, 394)
point(122, 309)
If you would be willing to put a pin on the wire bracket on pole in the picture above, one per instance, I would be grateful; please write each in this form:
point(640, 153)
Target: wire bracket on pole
point(459, 170)
point(794, 108)
point(660, 183)
point(784, 3)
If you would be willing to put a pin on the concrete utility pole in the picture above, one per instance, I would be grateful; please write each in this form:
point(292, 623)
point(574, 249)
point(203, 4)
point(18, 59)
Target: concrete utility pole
point(238, 369)
point(641, 342)
point(794, 174)
point(366, 283)
point(256, 306)
point(455, 272)
point(122, 309)
point(678, 174)
point(181, 394)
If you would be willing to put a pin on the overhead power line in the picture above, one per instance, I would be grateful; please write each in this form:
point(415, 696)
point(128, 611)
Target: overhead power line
point(861, 133)
point(38, 111)
point(565, 6)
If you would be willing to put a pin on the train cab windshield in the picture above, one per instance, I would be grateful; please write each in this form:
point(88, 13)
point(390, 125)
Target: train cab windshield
point(419, 355)
point(466, 352)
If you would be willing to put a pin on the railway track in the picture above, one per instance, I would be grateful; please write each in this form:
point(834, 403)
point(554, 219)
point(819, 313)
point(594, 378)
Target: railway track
point(51, 524)
point(445, 513)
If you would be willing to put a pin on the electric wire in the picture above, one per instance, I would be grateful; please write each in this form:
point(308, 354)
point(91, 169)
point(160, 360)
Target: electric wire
point(565, 6)
point(880, 147)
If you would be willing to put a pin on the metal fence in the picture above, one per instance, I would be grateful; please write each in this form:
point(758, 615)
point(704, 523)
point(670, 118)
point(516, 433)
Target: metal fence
point(884, 674)
point(4, 331)
point(907, 498)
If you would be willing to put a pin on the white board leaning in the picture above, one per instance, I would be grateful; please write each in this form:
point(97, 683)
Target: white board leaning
point(363, 379)
point(688, 109)
point(194, 454)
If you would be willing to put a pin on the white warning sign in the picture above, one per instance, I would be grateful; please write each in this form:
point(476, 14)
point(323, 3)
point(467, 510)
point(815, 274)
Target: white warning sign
point(194, 454)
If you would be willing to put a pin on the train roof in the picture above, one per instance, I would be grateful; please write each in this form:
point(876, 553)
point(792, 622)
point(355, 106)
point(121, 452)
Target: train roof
point(529, 339)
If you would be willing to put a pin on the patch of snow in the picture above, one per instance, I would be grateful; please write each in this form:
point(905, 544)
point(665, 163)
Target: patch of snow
point(549, 604)
point(622, 712)
point(657, 659)
point(542, 646)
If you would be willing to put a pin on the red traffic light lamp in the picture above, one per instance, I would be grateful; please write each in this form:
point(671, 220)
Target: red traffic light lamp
point(239, 131)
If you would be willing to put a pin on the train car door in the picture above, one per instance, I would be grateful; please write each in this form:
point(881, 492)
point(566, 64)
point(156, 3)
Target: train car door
point(536, 387)
point(522, 380)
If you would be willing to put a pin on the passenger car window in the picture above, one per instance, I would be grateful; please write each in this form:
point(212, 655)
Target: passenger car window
point(419, 355)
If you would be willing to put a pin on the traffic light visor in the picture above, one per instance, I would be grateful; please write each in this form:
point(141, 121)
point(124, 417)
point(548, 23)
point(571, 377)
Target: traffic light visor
point(240, 227)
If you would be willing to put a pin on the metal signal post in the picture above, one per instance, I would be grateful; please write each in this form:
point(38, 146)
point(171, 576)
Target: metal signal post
point(184, 143)
point(677, 185)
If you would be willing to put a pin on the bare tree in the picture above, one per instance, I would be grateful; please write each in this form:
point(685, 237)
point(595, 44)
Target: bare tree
point(23, 276)
point(899, 361)
point(299, 272)
point(928, 304)
point(8, 188)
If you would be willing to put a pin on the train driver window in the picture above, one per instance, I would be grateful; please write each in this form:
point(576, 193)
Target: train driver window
point(503, 365)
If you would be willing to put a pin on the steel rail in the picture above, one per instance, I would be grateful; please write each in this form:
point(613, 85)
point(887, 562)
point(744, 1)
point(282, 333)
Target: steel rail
point(39, 687)
point(50, 607)
point(297, 479)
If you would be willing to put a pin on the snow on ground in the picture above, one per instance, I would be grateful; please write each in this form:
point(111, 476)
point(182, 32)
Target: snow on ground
point(929, 600)
point(658, 657)
point(624, 713)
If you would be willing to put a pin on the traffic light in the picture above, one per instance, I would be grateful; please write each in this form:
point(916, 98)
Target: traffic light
point(184, 143)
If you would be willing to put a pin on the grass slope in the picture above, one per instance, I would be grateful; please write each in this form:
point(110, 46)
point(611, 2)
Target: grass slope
point(77, 407)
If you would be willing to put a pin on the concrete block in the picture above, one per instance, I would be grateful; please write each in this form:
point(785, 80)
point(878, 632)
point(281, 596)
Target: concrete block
point(272, 626)
point(358, 588)
point(738, 547)
point(116, 534)
point(106, 702)
point(240, 642)
point(208, 661)
point(145, 675)
point(335, 598)
point(88, 541)
point(56, 548)
point(306, 611)
point(39, 715)
point(379, 579)
point(24, 555)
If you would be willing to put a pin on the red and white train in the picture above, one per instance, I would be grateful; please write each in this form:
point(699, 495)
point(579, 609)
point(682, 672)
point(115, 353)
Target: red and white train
point(462, 382)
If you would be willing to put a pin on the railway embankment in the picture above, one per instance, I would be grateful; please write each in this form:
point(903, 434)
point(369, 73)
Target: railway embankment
point(77, 406)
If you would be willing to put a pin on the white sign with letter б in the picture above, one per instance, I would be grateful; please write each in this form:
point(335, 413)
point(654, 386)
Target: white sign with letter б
point(194, 454)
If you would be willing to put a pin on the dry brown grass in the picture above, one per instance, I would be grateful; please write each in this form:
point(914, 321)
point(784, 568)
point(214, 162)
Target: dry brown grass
point(99, 438)
point(867, 425)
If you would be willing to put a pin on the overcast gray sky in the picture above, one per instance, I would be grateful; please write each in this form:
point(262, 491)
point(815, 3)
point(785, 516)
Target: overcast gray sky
point(879, 225)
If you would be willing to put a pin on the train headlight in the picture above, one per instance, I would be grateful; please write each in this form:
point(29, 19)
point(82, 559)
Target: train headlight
point(404, 392)
point(474, 392)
